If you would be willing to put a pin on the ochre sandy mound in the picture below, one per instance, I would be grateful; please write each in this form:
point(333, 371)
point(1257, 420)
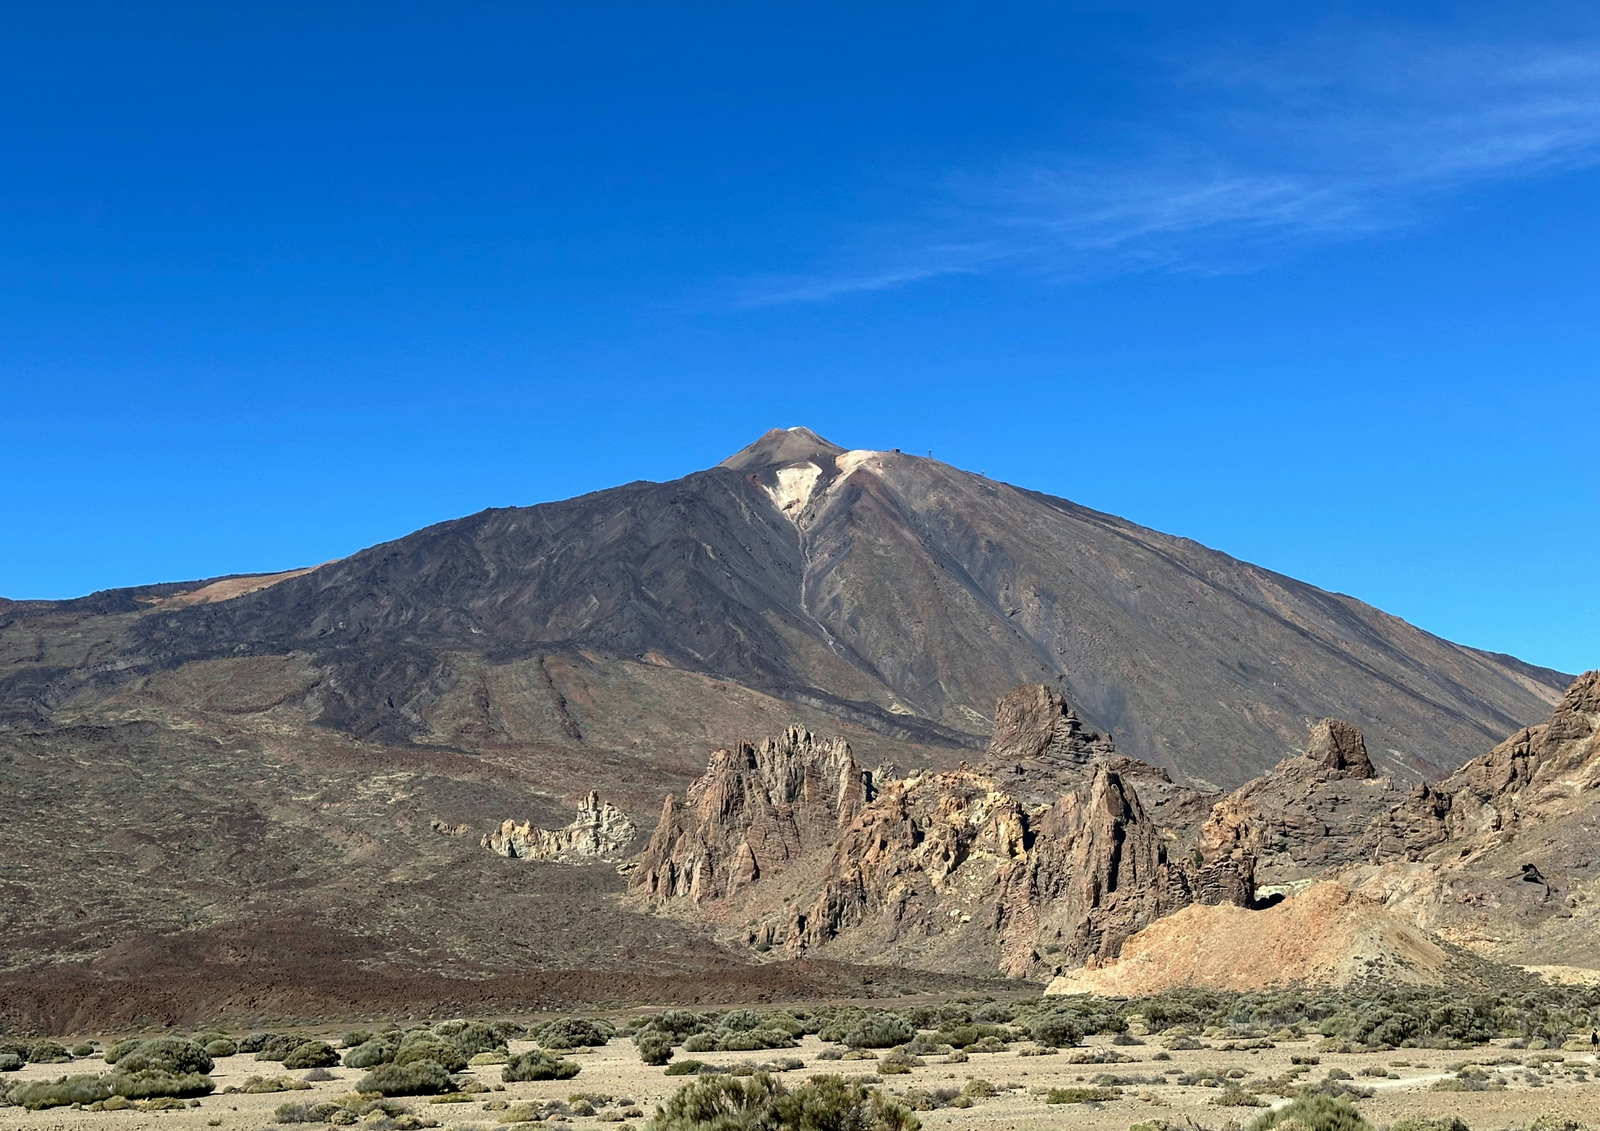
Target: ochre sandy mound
point(1567, 975)
point(1326, 936)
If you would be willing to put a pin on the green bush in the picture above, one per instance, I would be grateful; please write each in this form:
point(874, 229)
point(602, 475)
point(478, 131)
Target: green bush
point(1082, 1095)
point(220, 1047)
point(67, 1090)
point(416, 1078)
point(898, 1063)
point(685, 1068)
point(426, 1046)
point(10, 1062)
point(312, 1054)
point(296, 1111)
point(118, 1048)
point(84, 1049)
point(757, 1103)
point(262, 1085)
point(655, 1047)
point(355, 1037)
point(537, 1065)
point(1449, 1123)
point(575, 1032)
point(280, 1046)
point(171, 1055)
point(509, 1030)
point(164, 1103)
point(255, 1042)
point(877, 1031)
point(48, 1052)
point(968, 1035)
point(1055, 1030)
point(369, 1054)
point(738, 1020)
point(678, 1022)
point(475, 1037)
point(1550, 1121)
point(149, 1083)
point(1235, 1096)
point(1316, 1113)
point(786, 1022)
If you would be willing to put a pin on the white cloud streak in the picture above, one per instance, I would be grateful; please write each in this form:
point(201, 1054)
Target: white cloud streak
point(1279, 155)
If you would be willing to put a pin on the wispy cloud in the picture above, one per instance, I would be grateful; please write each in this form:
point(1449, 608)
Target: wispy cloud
point(1276, 154)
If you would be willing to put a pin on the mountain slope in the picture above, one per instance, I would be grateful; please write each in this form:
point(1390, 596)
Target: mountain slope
point(315, 755)
point(889, 590)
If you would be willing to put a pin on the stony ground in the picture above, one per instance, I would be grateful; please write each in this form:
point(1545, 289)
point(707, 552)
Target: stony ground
point(624, 1092)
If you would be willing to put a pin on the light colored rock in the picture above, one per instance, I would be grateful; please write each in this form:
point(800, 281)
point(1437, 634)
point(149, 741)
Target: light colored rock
point(600, 831)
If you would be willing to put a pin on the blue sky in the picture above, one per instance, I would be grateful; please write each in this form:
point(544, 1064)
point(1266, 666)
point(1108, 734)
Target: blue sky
point(1315, 285)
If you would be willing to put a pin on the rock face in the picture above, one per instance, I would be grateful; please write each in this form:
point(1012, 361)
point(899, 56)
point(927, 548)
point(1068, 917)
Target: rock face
point(751, 815)
point(1039, 742)
point(1040, 855)
point(1500, 857)
point(1311, 815)
point(950, 868)
point(1527, 777)
point(600, 831)
point(1052, 850)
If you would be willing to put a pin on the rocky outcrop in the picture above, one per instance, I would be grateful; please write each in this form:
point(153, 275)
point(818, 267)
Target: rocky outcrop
point(752, 814)
point(1040, 855)
point(1040, 744)
point(950, 867)
point(1311, 815)
point(1534, 771)
point(600, 831)
point(1501, 856)
point(1337, 750)
point(1539, 772)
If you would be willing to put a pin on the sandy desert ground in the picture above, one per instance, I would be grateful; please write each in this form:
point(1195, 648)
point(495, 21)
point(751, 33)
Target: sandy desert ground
point(625, 1091)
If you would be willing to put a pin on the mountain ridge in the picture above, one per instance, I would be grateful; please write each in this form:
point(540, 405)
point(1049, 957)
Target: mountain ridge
point(891, 590)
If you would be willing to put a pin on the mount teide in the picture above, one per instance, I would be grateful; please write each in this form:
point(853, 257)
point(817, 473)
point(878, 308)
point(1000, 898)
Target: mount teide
point(268, 792)
point(892, 592)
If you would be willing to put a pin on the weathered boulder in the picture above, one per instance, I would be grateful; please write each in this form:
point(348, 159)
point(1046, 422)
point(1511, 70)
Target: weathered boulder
point(600, 831)
point(1338, 751)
